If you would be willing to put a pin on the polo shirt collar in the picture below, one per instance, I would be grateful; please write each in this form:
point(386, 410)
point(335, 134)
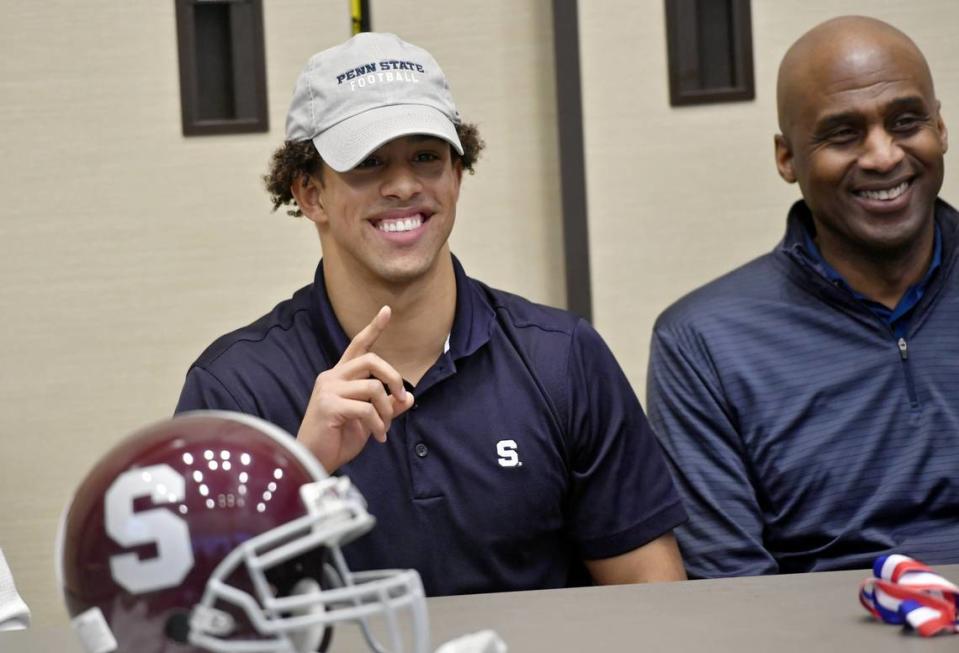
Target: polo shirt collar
point(472, 321)
point(330, 334)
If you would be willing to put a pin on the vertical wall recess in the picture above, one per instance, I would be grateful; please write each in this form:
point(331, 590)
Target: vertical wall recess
point(572, 157)
point(710, 51)
point(222, 66)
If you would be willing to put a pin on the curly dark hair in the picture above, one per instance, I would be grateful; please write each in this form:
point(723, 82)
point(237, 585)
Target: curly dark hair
point(295, 159)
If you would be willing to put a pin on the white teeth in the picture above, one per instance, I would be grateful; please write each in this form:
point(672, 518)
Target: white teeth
point(887, 194)
point(402, 224)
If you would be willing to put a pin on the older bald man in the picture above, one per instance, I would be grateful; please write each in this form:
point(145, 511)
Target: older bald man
point(809, 400)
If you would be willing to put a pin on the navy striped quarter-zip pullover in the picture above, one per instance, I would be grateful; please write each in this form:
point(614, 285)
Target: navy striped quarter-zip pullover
point(804, 431)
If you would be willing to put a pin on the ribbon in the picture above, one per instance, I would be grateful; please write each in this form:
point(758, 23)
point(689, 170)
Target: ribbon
point(904, 591)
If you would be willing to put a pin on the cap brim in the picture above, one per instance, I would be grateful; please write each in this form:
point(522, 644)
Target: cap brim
point(348, 142)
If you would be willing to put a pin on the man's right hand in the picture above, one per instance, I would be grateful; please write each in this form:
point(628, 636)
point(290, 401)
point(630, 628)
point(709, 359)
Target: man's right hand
point(349, 401)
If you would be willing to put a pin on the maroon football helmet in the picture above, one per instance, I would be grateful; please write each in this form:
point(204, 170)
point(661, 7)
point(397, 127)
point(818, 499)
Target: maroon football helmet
point(215, 531)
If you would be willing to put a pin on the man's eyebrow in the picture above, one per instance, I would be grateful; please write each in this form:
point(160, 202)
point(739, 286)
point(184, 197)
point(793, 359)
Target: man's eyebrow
point(914, 102)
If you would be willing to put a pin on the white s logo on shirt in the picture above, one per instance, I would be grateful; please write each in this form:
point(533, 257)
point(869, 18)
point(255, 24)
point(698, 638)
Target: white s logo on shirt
point(508, 457)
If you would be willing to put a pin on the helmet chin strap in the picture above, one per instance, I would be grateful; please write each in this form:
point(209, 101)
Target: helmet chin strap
point(308, 640)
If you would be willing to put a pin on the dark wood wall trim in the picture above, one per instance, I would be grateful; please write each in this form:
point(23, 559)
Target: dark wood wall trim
point(709, 43)
point(569, 107)
point(222, 66)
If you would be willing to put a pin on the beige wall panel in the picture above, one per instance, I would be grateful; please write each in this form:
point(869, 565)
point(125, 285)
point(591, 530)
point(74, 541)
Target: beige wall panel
point(679, 196)
point(127, 248)
point(498, 57)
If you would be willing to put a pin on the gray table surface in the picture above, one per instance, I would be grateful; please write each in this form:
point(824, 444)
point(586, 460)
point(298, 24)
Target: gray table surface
point(802, 612)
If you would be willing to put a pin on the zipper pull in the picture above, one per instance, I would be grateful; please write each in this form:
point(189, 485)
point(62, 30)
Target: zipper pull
point(903, 349)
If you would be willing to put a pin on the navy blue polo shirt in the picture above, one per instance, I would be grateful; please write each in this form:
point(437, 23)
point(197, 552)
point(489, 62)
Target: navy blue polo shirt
point(525, 453)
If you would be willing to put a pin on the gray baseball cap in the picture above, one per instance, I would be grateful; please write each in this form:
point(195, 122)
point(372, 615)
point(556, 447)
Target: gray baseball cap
point(353, 98)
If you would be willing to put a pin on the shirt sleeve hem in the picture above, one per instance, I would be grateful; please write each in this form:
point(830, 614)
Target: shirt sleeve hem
point(660, 523)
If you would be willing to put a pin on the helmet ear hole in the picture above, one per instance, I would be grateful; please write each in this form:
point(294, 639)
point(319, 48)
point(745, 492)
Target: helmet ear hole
point(284, 577)
point(177, 627)
point(304, 575)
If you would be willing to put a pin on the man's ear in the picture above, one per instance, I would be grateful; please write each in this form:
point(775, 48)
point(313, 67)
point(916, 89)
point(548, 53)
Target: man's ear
point(943, 132)
point(784, 159)
point(306, 190)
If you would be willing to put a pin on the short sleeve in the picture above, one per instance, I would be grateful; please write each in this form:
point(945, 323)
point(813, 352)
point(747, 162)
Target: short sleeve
point(622, 493)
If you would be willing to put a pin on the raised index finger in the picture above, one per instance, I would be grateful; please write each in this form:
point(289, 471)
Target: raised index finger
point(364, 340)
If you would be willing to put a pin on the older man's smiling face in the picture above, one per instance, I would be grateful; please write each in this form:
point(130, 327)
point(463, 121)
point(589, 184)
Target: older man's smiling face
point(863, 137)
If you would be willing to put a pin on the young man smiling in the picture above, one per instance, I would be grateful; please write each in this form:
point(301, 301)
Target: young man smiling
point(809, 401)
point(510, 451)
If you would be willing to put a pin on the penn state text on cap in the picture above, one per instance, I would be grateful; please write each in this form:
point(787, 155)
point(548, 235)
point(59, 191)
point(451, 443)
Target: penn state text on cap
point(352, 98)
